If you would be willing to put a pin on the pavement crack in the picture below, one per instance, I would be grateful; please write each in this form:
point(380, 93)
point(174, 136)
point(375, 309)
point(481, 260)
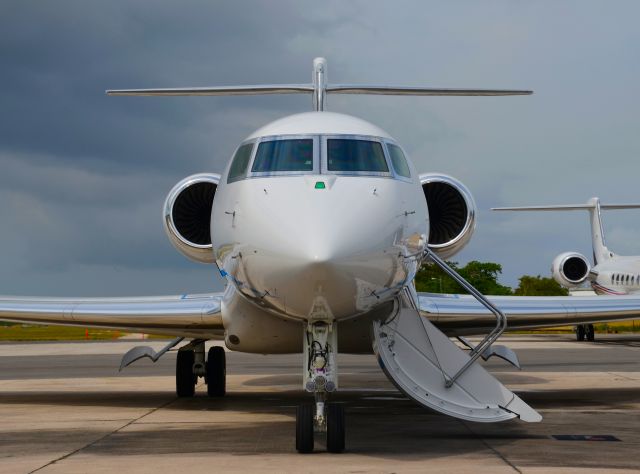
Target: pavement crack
point(96, 441)
point(491, 448)
point(626, 377)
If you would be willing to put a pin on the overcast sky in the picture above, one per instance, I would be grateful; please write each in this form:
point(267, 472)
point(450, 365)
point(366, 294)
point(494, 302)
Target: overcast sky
point(83, 176)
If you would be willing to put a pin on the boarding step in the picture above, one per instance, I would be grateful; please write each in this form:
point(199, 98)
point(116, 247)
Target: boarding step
point(419, 359)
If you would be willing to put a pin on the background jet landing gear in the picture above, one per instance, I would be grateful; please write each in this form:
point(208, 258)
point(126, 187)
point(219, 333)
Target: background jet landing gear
point(585, 331)
point(190, 365)
point(320, 378)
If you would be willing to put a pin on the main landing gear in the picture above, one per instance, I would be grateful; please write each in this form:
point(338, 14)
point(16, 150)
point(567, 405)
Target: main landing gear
point(191, 364)
point(321, 379)
point(585, 331)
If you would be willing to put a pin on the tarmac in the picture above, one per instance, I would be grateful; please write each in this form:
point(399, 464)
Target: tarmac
point(64, 408)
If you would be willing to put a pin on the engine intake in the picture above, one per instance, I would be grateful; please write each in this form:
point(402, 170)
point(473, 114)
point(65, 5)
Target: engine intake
point(451, 213)
point(187, 216)
point(570, 269)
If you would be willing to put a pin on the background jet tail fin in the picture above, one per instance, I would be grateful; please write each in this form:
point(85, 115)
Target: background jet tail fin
point(568, 207)
point(559, 207)
point(600, 250)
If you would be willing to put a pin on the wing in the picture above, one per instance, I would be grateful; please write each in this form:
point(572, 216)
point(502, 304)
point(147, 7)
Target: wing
point(195, 316)
point(463, 315)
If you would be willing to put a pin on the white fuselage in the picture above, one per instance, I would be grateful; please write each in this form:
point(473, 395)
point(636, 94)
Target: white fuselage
point(619, 275)
point(319, 244)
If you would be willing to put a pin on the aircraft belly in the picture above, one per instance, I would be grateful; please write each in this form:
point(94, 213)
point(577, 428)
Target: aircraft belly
point(251, 328)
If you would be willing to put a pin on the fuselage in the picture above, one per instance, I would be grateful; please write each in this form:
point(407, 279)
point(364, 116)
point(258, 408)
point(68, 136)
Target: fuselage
point(319, 215)
point(619, 275)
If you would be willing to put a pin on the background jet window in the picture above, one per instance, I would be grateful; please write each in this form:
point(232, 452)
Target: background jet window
point(399, 161)
point(355, 155)
point(238, 169)
point(284, 155)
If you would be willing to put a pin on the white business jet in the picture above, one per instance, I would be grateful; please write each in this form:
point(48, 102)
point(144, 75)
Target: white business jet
point(610, 274)
point(319, 223)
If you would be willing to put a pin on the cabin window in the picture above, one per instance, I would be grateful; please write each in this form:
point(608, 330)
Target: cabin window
point(398, 161)
point(284, 155)
point(611, 278)
point(240, 163)
point(349, 155)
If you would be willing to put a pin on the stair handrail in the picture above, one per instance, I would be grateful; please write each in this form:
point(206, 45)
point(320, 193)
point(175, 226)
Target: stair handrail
point(501, 318)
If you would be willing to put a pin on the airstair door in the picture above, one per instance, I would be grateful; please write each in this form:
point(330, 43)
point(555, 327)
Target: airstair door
point(419, 359)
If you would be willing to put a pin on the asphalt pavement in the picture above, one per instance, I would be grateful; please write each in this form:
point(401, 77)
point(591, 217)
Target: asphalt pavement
point(64, 407)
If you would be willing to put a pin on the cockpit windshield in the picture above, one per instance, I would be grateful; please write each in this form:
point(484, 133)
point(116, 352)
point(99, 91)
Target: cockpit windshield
point(284, 155)
point(355, 155)
point(240, 163)
point(339, 154)
point(399, 161)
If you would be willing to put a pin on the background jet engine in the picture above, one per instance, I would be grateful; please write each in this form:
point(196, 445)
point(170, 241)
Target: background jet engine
point(187, 216)
point(452, 213)
point(570, 269)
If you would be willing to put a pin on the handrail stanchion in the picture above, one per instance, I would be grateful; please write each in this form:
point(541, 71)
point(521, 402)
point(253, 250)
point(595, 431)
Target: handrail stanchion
point(501, 318)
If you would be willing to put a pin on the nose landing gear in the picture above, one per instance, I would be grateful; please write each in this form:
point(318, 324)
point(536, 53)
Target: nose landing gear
point(321, 379)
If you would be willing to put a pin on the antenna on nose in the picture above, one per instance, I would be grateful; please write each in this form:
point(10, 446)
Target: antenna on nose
point(319, 88)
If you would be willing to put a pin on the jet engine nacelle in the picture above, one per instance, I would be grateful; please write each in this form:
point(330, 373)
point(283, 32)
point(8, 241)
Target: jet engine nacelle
point(452, 213)
point(570, 269)
point(187, 216)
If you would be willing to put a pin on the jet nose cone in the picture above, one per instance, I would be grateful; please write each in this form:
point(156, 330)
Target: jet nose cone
point(344, 242)
point(319, 247)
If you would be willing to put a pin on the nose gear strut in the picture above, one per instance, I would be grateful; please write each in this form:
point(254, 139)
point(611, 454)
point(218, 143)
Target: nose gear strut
point(321, 379)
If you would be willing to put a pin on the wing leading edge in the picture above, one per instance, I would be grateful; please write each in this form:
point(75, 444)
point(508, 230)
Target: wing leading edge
point(186, 315)
point(463, 315)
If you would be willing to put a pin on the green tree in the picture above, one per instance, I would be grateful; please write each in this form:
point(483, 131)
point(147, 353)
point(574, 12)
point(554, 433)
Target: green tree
point(539, 286)
point(483, 275)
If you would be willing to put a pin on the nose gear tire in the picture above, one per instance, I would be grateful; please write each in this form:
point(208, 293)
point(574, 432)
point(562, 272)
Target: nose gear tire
point(335, 427)
point(304, 428)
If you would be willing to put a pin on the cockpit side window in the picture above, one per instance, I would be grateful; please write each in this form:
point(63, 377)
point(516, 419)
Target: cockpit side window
point(240, 163)
point(350, 155)
point(284, 155)
point(398, 161)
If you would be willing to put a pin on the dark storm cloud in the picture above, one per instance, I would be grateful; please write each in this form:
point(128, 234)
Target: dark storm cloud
point(83, 176)
point(58, 58)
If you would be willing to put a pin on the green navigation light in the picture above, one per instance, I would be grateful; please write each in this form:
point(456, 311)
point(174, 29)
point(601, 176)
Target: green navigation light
point(320, 185)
